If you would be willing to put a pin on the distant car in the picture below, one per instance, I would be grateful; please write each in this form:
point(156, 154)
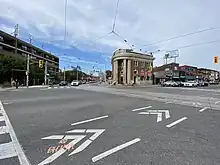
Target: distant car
point(170, 84)
point(191, 84)
point(75, 83)
point(63, 83)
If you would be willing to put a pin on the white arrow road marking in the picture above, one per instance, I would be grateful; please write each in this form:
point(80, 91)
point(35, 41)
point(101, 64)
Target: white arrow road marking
point(138, 109)
point(61, 151)
point(97, 132)
point(158, 113)
point(113, 150)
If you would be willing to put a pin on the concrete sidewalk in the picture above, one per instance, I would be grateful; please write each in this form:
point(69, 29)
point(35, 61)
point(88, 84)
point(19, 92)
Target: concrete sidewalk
point(24, 87)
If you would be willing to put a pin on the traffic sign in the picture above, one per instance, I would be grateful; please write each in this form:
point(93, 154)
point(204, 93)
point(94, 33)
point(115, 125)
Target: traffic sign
point(215, 59)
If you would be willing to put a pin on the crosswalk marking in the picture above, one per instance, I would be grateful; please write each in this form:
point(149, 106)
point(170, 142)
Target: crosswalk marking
point(2, 118)
point(13, 148)
point(3, 130)
point(7, 150)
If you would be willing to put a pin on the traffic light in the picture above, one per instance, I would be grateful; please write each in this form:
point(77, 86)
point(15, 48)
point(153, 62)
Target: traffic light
point(215, 59)
point(151, 68)
point(41, 63)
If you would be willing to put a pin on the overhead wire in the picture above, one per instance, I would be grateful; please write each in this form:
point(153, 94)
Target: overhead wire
point(193, 45)
point(181, 36)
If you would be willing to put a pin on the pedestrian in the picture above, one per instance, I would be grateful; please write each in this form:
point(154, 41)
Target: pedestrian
point(16, 83)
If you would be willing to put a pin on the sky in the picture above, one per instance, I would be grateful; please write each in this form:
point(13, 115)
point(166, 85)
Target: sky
point(139, 22)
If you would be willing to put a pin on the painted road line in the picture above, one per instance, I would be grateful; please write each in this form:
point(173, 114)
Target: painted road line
point(77, 131)
point(217, 102)
point(89, 120)
point(113, 150)
point(97, 132)
point(3, 130)
point(168, 102)
point(139, 109)
point(2, 118)
point(81, 147)
point(159, 115)
point(176, 122)
point(7, 151)
point(203, 109)
point(20, 153)
point(61, 151)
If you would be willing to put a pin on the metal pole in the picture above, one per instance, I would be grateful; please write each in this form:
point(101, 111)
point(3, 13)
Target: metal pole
point(77, 74)
point(105, 74)
point(45, 74)
point(16, 41)
point(28, 70)
point(64, 74)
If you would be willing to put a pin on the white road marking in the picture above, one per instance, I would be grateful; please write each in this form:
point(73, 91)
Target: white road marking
point(61, 87)
point(77, 131)
point(203, 109)
point(217, 102)
point(2, 118)
point(138, 109)
point(168, 102)
point(7, 150)
point(58, 137)
point(97, 132)
point(89, 120)
point(3, 130)
point(19, 151)
point(113, 150)
point(176, 122)
point(45, 89)
point(81, 147)
point(6, 103)
point(159, 115)
point(61, 151)
point(55, 87)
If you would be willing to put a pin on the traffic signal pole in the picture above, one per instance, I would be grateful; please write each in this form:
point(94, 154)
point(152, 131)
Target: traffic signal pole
point(45, 74)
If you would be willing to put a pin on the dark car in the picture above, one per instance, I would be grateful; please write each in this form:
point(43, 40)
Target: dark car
point(63, 83)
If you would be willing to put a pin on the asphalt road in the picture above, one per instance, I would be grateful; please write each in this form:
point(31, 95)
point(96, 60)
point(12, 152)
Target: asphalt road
point(182, 135)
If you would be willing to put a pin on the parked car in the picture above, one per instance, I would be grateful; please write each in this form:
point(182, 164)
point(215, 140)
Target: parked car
point(191, 84)
point(63, 83)
point(170, 84)
point(75, 83)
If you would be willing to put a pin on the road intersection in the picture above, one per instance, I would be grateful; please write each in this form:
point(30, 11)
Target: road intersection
point(97, 125)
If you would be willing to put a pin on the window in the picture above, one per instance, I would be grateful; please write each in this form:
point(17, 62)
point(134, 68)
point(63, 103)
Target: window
point(1, 47)
point(24, 47)
point(135, 63)
point(142, 64)
point(1, 38)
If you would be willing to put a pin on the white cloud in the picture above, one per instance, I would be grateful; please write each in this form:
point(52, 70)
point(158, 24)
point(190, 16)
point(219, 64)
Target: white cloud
point(139, 22)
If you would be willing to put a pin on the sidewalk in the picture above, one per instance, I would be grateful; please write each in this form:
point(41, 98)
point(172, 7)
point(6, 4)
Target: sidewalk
point(24, 87)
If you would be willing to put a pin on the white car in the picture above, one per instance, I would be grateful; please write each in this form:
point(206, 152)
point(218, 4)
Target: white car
point(191, 84)
point(75, 83)
point(170, 83)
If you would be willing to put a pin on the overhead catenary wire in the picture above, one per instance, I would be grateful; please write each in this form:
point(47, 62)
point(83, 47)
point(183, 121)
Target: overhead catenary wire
point(193, 45)
point(116, 13)
point(181, 36)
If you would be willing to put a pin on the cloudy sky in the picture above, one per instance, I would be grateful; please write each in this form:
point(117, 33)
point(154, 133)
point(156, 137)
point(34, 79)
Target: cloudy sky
point(140, 22)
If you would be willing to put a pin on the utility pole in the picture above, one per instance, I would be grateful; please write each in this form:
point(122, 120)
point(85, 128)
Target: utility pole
point(45, 73)
point(16, 41)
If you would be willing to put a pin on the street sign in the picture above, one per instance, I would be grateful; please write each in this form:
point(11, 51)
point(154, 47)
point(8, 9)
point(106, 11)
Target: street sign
point(41, 63)
point(215, 59)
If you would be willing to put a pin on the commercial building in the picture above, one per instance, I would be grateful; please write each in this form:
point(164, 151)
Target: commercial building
point(12, 46)
point(173, 71)
point(129, 67)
